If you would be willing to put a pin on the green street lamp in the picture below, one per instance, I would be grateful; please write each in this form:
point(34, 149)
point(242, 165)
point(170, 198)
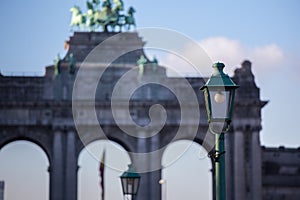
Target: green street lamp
point(219, 93)
point(130, 181)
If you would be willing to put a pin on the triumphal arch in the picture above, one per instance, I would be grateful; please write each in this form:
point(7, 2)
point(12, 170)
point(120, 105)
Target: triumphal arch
point(80, 100)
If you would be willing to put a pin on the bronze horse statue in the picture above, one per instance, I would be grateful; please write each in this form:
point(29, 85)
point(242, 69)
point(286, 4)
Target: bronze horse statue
point(129, 19)
point(108, 17)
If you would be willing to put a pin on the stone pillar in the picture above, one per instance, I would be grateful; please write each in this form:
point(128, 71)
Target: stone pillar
point(2, 187)
point(143, 193)
point(248, 180)
point(150, 189)
point(239, 166)
point(71, 168)
point(256, 180)
point(229, 158)
point(140, 164)
point(56, 168)
point(155, 176)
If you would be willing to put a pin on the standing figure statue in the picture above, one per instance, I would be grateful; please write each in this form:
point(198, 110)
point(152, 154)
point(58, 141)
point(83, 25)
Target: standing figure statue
point(72, 64)
point(154, 64)
point(141, 64)
point(57, 67)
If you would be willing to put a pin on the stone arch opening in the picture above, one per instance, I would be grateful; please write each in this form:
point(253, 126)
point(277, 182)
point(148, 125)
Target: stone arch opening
point(185, 163)
point(89, 159)
point(116, 139)
point(24, 168)
point(28, 138)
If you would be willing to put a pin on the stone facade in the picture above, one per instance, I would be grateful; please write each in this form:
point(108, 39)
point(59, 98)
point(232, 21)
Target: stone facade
point(2, 190)
point(281, 173)
point(39, 109)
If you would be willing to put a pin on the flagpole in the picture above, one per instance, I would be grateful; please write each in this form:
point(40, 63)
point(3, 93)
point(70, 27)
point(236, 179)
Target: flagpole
point(101, 170)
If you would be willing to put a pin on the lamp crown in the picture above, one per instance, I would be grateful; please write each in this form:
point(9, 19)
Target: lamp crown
point(218, 69)
point(130, 173)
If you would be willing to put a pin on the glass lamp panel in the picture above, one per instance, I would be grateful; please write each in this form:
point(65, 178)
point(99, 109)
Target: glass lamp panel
point(219, 104)
point(130, 185)
point(124, 185)
point(136, 185)
point(207, 102)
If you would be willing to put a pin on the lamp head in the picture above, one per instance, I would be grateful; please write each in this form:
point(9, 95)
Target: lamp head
point(219, 93)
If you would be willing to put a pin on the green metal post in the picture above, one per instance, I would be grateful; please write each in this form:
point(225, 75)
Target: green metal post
point(220, 168)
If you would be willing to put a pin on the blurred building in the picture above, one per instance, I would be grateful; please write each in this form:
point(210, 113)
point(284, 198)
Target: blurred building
point(41, 110)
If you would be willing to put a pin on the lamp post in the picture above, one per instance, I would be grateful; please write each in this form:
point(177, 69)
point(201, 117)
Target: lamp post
point(219, 93)
point(130, 181)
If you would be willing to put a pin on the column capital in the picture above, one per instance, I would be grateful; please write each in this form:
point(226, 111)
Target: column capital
point(247, 128)
point(63, 128)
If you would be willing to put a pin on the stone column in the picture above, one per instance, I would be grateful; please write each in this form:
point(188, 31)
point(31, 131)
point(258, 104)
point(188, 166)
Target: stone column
point(71, 168)
point(150, 189)
point(140, 164)
point(256, 181)
point(155, 163)
point(239, 166)
point(229, 158)
point(56, 168)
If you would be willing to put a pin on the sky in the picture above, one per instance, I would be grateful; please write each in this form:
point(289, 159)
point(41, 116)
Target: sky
point(265, 32)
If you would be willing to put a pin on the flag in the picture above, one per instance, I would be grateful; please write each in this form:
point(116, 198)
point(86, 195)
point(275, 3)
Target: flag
point(101, 169)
